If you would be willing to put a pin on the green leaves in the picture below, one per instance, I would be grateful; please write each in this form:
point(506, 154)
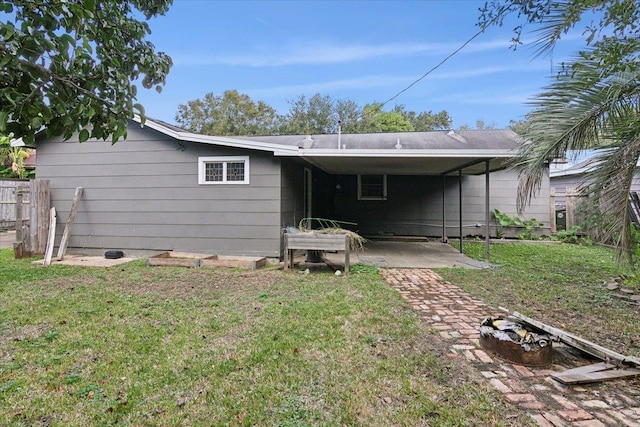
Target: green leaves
point(234, 113)
point(83, 135)
point(67, 67)
point(4, 115)
point(594, 105)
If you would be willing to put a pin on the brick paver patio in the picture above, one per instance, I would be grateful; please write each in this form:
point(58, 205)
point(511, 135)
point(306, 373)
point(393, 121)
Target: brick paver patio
point(455, 316)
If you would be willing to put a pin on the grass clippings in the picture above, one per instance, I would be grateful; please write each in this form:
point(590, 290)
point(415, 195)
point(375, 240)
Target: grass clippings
point(132, 345)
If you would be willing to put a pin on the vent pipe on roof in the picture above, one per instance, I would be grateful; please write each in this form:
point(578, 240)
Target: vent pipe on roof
point(307, 142)
point(339, 133)
point(398, 145)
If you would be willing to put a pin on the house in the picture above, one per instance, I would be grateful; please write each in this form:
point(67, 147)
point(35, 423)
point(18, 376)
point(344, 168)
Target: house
point(567, 179)
point(164, 188)
point(570, 176)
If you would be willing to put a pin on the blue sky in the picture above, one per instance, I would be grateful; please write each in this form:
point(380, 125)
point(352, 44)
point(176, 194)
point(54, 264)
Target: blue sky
point(365, 51)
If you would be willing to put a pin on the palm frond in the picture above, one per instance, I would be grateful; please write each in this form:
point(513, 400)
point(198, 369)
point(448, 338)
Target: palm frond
point(609, 190)
point(581, 111)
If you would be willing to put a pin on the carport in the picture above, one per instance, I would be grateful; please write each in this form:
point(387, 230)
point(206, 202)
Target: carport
point(445, 156)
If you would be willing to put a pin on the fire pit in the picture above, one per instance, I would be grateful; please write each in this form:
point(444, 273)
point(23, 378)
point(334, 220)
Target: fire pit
point(511, 341)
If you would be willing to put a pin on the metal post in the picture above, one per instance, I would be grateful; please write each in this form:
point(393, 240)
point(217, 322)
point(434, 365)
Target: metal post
point(460, 205)
point(486, 212)
point(444, 218)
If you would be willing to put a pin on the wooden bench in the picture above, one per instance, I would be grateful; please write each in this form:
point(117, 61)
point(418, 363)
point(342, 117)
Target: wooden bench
point(315, 242)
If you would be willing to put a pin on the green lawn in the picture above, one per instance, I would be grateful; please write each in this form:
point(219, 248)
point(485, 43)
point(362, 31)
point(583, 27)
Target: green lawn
point(137, 345)
point(559, 284)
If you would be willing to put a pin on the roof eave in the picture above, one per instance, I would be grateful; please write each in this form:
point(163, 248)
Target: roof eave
point(276, 149)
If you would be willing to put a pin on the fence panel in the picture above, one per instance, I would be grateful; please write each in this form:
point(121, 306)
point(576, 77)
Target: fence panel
point(8, 202)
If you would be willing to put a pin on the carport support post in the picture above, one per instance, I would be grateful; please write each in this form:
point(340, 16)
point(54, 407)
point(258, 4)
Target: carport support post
point(486, 212)
point(444, 218)
point(460, 205)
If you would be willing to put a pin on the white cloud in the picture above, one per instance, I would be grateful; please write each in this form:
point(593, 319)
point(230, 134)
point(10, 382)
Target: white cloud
point(366, 82)
point(322, 54)
point(390, 82)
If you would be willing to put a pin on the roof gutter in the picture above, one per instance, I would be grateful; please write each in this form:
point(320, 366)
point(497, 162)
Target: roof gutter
point(385, 153)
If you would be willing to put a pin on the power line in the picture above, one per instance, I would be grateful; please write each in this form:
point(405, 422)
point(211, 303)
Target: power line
point(435, 67)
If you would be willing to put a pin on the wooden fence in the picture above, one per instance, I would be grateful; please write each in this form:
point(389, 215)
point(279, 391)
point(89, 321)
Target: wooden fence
point(567, 200)
point(8, 202)
point(33, 202)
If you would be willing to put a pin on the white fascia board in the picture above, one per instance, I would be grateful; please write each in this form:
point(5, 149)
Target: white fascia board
point(386, 153)
point(560, 173)
point(276, 149)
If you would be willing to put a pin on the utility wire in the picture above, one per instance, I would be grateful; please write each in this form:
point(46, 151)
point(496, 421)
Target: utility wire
point(435, 67)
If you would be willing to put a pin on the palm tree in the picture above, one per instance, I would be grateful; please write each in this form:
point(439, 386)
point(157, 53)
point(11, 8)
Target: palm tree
point(594, 104)
point(588, 109)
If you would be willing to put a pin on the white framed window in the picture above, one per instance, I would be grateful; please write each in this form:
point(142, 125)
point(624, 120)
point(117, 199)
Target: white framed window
point(372, 187)
point(223, 170)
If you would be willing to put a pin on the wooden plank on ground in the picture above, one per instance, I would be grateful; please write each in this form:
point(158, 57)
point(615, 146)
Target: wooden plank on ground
point(67, 228)
point(595, 367)
point(589, 347)
point(592, 377)
point(48, 253)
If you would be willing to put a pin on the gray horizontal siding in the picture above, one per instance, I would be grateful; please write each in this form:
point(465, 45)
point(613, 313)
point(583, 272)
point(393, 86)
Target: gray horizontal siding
point(236, 219)
point(213, 193)
point(133, 205)
point(143, 193)
point(197, 244)
point(136, 230)
point(176, 177)
point(414, 205)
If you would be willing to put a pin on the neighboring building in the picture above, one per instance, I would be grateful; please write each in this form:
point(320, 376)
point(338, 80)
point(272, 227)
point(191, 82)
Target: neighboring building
point(571, 175)
point(167, 189)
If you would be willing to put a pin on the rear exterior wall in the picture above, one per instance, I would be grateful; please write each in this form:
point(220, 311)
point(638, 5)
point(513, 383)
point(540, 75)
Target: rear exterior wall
point(414, 204)
point(143, 194)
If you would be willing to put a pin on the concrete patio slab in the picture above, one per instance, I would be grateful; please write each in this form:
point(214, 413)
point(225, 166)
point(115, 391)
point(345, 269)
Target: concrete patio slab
point(407, 254)
point(434, 254)
point(87, 261)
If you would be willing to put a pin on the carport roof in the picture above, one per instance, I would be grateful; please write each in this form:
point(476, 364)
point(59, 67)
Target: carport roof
point(398, 153)
point(402, 153)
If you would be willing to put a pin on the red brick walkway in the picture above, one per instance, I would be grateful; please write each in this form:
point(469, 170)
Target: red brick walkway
point(455, 316)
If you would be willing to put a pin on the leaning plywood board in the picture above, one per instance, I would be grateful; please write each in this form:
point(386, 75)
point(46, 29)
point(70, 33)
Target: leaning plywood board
point(589, 347)
point(48, 253)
